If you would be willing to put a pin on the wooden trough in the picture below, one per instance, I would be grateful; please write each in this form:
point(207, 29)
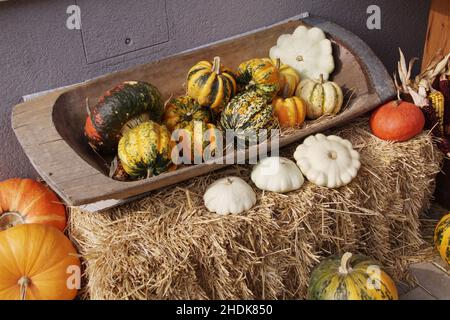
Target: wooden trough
point(50, 128)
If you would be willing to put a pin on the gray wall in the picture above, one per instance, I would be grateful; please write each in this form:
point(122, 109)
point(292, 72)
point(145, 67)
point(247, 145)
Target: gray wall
point(38, 52)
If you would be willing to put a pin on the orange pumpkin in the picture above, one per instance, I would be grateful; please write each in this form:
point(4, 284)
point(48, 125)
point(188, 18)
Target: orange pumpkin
point(28, 201)
point(37, 262)
point(291, 112)
point(397, 121)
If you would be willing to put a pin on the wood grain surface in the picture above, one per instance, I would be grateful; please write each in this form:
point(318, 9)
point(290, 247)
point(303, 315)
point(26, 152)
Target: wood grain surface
point(438, 32)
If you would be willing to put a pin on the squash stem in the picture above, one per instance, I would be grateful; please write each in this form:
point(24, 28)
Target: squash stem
point(278, 63)
point(321, 79)
point(10, 219)
point(345, 267)
point(397, 102)
point(216, 65)
point(24, 282)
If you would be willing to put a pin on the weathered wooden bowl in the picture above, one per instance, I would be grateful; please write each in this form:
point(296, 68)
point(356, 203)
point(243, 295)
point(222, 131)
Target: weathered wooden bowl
point(50, 128)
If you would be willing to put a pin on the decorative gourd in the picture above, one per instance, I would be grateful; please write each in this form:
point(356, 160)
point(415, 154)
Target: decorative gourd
point(397, 121)
point(28, 201)
point(181, 111)
point(229, 195)
point(308, 51)
point(246, 114)
point(349, 277)
point(117, 172)
point(277, 174)
point(291, 112)
point(145, 150)
point(442, 238)
point(321, 97)
point(120, 109)
point(289, 78)
point(259, 75)
point(328, 161)
point(37, 262)
point(211, 84)
point(196, 137)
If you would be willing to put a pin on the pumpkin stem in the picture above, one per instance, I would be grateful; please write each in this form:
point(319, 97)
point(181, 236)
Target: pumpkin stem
point(278, 63)
point(24, 283)
point(397, 102)
point(321, 79)
point(332, 155)
point(216, 65)
point(10, 219)
point(345, 267)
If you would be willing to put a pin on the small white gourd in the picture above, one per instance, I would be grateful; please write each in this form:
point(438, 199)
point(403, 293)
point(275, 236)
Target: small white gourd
point(321, 97)
point(306, 50)
point(328, 161)
point(277, 174)
point(229, 195)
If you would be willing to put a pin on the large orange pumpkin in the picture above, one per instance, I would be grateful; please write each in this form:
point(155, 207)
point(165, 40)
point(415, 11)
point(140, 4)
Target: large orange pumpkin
point(291, 112)
point(37, 262)
point(397, 121)
point(28, 201)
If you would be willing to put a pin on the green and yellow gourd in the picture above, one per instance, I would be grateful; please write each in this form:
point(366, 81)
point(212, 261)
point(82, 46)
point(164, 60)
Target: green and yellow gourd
point(247, 113)
point(181, 111)
point(259, 75)
point(120, 109)
point(351, 277)
point(195, 137)
point(289, 78)
point(145, 150)
point(211, 84)
point(442, 238)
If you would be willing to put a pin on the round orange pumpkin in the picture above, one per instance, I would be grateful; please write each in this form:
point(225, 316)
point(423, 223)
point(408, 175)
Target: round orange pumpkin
point(28, 201)
point(291, 112)
point(37, 262)
point(397, 121)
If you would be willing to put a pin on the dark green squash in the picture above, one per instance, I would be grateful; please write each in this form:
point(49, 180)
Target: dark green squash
point(181, 111)
point(248, 113)
point(120, 109)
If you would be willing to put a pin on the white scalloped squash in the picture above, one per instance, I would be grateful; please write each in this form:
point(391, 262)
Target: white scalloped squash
point(306, 50)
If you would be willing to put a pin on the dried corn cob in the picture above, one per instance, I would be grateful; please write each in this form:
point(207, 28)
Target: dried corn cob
point(437, 101)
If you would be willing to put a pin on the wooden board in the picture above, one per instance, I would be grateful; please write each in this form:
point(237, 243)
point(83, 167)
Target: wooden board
point(50, 128)
point(438, 32)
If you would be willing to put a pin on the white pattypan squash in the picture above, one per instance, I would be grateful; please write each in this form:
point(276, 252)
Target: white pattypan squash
point(328, 161)
point(277, 174)
point(306, 50)
point(229, 195)
point(321, 97)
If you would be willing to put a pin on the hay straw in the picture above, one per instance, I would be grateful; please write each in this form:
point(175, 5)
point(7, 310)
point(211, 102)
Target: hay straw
point(168, 246)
